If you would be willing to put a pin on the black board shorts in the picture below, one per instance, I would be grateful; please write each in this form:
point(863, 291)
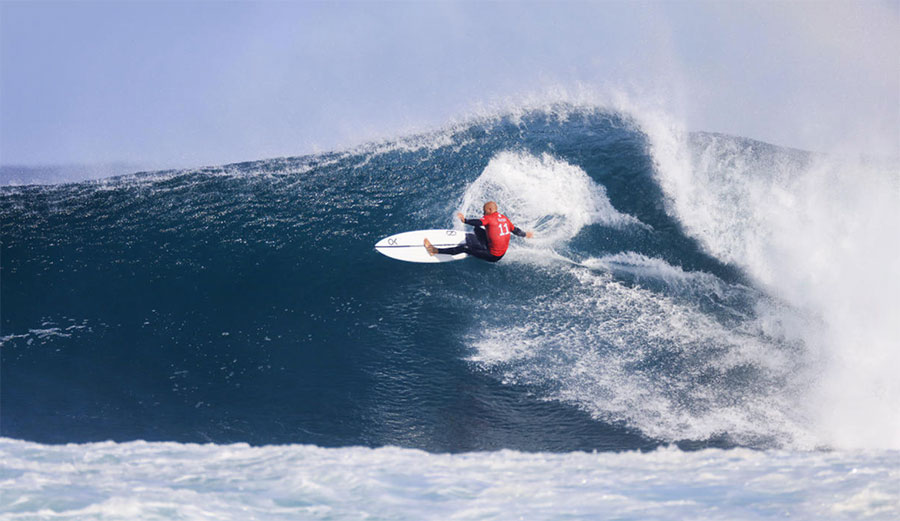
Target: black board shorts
point(476, 245)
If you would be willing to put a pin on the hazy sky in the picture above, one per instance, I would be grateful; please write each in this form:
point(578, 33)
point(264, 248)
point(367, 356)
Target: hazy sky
point(189, 84)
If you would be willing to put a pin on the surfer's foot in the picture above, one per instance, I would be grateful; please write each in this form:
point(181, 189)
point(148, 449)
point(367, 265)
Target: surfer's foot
point(431, 249)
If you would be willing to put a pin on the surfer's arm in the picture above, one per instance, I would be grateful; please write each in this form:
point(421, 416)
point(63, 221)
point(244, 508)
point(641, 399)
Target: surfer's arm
point(522, 233)
point(470, 222)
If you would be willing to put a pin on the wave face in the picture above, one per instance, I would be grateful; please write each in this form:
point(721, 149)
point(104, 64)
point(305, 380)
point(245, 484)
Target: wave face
point(246, 304)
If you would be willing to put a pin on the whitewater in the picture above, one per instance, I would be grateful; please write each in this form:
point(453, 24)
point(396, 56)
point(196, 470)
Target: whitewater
point(139, 480)
point(703, 328)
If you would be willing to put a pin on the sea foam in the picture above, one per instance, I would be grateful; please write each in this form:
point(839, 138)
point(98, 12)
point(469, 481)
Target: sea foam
point(140, 480)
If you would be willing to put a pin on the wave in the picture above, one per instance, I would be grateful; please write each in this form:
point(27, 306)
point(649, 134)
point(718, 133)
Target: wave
point(682, 287)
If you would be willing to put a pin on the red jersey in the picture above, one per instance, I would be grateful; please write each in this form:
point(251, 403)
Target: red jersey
point(498, 229)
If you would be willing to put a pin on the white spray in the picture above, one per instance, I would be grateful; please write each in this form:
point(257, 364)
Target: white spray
point(552, 197)
point(622, 352)
point(821, 233)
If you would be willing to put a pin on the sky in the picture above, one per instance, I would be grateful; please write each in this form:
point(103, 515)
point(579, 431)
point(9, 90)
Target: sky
point(185, 84)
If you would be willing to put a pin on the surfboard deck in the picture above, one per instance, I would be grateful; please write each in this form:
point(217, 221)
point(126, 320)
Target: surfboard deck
point(410, 246)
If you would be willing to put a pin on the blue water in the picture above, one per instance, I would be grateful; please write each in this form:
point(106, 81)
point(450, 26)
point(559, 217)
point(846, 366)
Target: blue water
point(245, 303)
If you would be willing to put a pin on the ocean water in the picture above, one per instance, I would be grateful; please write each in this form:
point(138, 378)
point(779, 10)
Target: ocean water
point(703, 328)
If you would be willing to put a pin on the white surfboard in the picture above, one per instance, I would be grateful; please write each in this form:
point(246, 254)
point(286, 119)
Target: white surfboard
point(410, 246)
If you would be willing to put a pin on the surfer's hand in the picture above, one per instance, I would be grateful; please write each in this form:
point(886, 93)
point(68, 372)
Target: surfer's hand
point(461, 217)
point(529, 235)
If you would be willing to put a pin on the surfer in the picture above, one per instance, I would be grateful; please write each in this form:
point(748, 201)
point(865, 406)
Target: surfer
point(491, 238)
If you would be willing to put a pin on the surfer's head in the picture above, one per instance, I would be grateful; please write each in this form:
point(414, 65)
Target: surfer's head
point(490, 207)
